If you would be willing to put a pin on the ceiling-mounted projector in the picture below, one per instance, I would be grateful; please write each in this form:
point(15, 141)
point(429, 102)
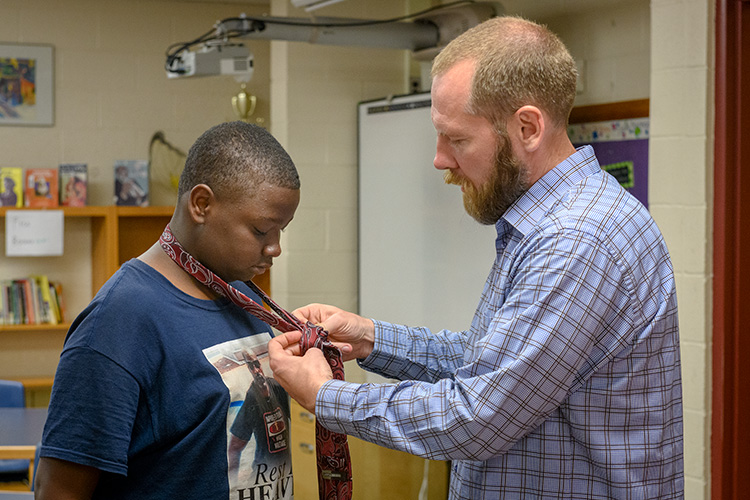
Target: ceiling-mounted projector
point(425, 35)
point(213, 59)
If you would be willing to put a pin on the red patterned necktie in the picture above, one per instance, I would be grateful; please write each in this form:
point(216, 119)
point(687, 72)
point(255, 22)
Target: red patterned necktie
point(332, 450)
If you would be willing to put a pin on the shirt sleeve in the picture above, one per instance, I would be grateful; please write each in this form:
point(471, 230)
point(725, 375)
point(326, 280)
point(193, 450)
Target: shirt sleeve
point(533, 342)
point(92, 412)
point(407, 353)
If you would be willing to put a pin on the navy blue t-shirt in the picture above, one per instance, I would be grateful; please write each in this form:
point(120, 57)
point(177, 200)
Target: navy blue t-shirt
point(148, 385)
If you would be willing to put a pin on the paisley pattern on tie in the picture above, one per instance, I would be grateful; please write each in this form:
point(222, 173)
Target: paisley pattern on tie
point(332, 449)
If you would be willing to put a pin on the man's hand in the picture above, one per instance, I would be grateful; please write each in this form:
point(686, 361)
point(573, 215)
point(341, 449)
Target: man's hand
point(301, 376)
point(351, 333)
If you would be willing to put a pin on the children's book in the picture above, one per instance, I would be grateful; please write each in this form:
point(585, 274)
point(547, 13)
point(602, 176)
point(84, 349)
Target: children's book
point(73, 184)
point(6, 315)
point(56, 293)
point(24, 301)
point(131, 182)
point(48, 309)
point(11, 186)
point(41, 188)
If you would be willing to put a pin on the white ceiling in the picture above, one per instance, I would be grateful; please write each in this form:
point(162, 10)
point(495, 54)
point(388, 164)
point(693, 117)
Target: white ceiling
point(240, 2)
point(534, 9)
point(541, 9)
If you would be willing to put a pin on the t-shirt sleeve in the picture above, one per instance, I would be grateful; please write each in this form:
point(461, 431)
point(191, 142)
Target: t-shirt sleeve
point(91, 413)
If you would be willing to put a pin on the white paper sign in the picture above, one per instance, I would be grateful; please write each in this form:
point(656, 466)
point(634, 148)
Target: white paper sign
point(34, 233)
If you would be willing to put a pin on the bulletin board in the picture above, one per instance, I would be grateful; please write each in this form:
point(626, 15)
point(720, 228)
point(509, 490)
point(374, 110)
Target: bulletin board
point(619, 134)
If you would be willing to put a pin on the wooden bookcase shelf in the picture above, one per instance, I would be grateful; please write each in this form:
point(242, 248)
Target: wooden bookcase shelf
point(118, 234)
point(122, 233)
point(30, 352)
point(61, 328)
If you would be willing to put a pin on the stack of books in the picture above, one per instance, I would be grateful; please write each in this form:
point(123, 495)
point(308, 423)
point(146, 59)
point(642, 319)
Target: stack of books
point(31, 300)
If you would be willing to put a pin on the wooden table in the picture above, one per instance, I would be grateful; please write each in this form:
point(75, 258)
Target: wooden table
point(16, 495)
point(20, 432)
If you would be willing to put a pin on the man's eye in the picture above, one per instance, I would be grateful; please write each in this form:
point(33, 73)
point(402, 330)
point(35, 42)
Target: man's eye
point(259, 232)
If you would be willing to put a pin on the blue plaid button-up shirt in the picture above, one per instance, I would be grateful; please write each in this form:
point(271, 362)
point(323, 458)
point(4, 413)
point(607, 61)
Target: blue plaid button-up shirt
point(567, 384)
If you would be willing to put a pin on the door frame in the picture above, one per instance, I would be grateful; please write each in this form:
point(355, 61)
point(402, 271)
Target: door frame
point(730, 436)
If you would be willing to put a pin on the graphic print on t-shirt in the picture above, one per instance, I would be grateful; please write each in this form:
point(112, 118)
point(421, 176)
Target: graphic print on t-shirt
point(258, 447)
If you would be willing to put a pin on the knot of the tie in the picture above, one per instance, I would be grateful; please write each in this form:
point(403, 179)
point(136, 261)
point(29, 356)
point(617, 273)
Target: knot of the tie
point(312, 336)
point(315, 336)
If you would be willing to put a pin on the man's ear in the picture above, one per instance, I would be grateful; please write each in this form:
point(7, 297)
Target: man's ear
point(200, 201)
point(529, 127)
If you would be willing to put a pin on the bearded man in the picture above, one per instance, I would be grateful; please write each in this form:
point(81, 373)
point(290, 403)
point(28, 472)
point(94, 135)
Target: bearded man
point(567, 382)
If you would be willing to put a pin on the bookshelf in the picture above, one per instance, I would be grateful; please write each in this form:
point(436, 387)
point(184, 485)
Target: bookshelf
point(117, 234)
point(98, 240)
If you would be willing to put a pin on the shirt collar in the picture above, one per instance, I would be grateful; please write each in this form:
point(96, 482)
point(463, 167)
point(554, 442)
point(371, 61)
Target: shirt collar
point(532, 206)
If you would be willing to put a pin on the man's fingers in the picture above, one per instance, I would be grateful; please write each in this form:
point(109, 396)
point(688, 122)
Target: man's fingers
point(343, 347)
point(288, 341)
point(307, 313)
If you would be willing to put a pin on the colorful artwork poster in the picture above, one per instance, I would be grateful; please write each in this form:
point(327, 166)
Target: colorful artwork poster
point(27, 85)
point(621, 146)
point(18, 88)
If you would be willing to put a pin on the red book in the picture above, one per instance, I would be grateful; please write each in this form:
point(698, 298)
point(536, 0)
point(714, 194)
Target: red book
point(27, 299)
point(40, 188)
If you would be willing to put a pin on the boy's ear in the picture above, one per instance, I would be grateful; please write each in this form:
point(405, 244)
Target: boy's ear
point(200, 201)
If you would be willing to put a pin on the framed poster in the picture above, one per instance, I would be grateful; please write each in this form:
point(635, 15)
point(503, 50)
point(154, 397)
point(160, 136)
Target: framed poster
point(26, 85)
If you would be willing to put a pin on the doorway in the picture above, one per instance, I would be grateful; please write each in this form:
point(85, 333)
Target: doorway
point(730, 436)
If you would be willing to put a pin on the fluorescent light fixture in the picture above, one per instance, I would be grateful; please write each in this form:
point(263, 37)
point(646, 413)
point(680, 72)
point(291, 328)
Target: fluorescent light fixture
point(310, 5)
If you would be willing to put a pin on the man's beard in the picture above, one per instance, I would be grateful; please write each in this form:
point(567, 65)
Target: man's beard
point(508, 181)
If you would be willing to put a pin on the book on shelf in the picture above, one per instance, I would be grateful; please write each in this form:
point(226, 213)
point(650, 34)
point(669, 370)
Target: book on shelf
point(40, 188)
point(131, 183)
point(11, 186)
point(19, 303)
point(55, 290)
point(28, 299)
point(31, 300)
point(73, 181)
point(4, 304)
point(47, 300)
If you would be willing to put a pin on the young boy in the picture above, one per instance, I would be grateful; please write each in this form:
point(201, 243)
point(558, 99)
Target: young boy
point(155, 370)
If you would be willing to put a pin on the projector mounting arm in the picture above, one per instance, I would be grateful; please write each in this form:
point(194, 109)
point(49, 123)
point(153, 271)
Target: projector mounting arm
point(220, 52)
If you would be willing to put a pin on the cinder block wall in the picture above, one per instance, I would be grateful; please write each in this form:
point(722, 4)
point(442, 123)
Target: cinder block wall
point(111, 95)
point(315, 90)
point(681, 191)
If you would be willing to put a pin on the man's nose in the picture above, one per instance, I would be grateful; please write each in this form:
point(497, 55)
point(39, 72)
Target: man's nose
point(443, 155)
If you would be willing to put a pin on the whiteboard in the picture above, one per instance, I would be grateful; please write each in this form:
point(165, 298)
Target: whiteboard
point(422, 259)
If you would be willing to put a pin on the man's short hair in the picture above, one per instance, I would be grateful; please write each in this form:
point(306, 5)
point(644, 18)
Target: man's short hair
point(518, 63)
